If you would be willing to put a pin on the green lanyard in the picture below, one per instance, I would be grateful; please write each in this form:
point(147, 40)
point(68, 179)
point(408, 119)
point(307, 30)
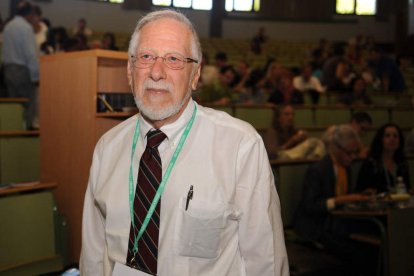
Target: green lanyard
point(163, 181)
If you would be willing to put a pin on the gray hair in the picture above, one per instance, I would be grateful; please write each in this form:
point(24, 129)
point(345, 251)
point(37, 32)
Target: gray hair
point(166, 14)
point(341, 135)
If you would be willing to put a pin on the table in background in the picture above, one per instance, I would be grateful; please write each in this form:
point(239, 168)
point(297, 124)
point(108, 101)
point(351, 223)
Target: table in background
point(396, 226)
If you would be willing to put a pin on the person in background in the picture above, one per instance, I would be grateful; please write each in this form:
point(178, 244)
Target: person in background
point(329, 77)
point(361, 122)
point(258, 40)
point(358, 96)
point(309, 84)
point(109, 42)
point(209, 72)
point(82, 29)
point(244, 88)
point(57, 38)
point(219, 92)
point(219, 212)
point(221, 61)
point(20, 60)
point(386, 161)
point(40, 28)
point(285, 92)
point(283, 135)
point(327, 186)
point(387, 70)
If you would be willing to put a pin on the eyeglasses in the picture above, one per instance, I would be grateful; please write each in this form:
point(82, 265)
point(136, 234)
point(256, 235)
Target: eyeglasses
point(172, 61)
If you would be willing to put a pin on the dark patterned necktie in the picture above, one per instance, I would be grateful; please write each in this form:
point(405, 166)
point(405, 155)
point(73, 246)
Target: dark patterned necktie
point(149, 178)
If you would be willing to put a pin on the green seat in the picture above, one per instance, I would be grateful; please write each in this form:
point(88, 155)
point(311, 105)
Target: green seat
point(11, 116)
point(19, 159)
point(289, 184)
point(27, 234)
point(303, 117)
point(258, 117)
point(379, 116)
point(331, 116)
point(225, 108)
point(403, 117)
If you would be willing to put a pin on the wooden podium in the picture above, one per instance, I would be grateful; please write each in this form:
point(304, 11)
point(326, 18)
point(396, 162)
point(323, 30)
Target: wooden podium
point(71, 125)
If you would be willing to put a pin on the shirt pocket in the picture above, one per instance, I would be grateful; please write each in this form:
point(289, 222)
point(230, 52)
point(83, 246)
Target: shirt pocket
point(199, 229)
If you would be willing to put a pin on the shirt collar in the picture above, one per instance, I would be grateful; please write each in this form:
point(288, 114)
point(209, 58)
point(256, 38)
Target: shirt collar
point(171, 130)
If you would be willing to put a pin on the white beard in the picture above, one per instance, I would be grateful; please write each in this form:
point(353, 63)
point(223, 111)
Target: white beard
point(154, 113)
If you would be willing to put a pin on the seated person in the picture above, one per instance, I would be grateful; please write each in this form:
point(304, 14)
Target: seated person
point(219, 92)
point(284, 141)
point(358, 96)
point(386, 161)
point(285, 92)
point(326, 187)
point(361, 122)
point(109, 42)
point(307, 83)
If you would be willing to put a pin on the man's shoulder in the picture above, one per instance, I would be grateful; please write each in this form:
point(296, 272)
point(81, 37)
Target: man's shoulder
point(222, 119)
point(119, 131)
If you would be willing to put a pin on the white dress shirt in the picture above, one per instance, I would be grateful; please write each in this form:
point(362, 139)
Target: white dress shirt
point(303, 85)
point(233, 224)
point(19, 46)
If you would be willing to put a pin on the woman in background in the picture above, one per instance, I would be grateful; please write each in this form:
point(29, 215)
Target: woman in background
point(284, 141)
point(386, 161)
point(283, 135)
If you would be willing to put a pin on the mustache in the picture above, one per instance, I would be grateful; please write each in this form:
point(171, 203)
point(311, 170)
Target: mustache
point(158, 85)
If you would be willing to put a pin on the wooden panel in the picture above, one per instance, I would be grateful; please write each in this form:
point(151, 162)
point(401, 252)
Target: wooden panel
point(70, 126)
point(67, 117)
point(113, 79)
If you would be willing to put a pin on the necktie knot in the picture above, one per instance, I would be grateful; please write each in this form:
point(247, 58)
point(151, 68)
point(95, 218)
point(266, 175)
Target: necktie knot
point(155, 138)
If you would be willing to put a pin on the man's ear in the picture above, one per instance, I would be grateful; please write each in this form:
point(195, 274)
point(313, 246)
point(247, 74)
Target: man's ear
point(196, 78)
point(129, 74)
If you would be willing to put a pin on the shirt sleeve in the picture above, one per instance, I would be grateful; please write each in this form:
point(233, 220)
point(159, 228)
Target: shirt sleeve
point(261, 236)
point(93, 226)
point(29, 49)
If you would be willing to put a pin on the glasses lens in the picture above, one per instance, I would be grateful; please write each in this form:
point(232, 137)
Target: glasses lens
point(174, 61)
point(145, 59)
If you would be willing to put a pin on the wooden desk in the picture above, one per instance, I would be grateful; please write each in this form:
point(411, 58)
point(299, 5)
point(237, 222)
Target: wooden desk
point(39, 186)
point(396, 226)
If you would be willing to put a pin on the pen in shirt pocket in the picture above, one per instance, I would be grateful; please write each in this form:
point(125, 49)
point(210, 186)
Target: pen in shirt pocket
point(189, 197)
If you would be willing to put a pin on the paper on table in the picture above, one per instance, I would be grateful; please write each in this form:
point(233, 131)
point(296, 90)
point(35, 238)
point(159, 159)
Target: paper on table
point(24, 184)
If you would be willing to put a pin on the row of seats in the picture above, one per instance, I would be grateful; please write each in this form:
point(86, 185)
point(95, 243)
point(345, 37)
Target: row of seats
point(260, 116)
point(19, 149)
point(33, 234)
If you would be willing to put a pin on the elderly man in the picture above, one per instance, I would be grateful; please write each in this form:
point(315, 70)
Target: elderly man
point(328, 186)
point(179, 189)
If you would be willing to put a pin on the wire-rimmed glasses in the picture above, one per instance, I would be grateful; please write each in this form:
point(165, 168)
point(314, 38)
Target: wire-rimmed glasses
point(173, 61)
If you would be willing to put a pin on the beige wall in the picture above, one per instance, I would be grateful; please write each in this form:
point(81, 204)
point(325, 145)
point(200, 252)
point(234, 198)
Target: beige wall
point(111, 17)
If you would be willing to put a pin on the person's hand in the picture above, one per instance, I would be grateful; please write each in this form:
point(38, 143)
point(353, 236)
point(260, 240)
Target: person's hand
point(299, 136)
point(351, 198)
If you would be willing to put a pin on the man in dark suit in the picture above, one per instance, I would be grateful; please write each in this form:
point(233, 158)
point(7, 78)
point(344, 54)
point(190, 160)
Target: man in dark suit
point(328, 186)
